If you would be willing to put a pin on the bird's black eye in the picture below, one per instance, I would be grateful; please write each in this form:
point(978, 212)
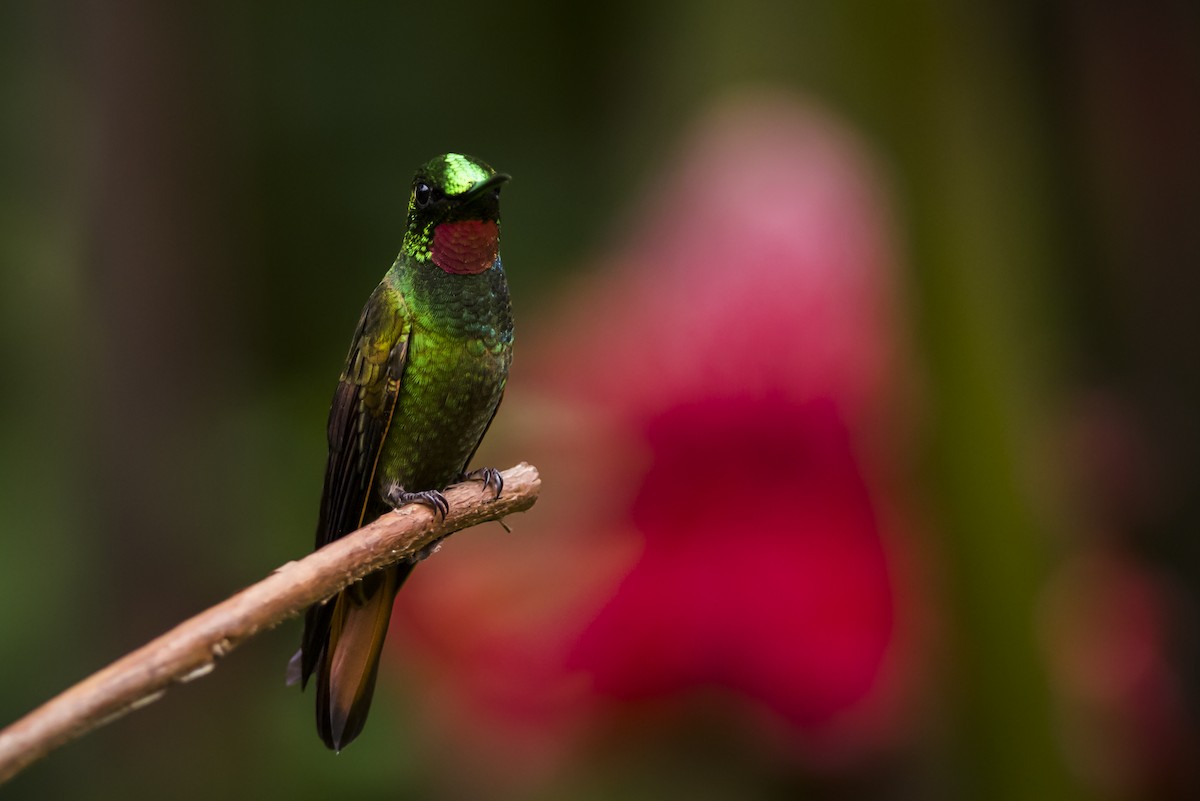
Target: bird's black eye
point(422, 194)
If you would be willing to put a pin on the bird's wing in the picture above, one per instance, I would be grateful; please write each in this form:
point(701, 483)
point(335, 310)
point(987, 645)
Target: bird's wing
point(359, 418)
point(361, 412)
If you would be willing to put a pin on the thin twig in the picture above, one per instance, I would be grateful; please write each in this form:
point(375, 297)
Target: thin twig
point(191, 649)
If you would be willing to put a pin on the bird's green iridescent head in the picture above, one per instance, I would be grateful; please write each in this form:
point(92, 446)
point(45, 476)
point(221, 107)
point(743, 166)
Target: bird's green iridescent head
point(454, 215)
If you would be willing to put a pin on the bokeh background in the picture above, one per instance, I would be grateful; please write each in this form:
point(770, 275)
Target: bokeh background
point(856, 345)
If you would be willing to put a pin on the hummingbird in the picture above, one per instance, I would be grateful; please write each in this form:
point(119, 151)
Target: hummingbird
point(423, 379)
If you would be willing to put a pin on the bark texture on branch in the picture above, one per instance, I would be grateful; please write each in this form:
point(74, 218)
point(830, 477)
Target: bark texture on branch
point(191, 649)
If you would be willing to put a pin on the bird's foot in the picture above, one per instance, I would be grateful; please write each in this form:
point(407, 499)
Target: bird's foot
point(398, 497)
point(490, 477)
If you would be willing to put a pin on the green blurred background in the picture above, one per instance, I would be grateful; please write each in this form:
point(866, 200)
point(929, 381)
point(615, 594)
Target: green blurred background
point(195, 200)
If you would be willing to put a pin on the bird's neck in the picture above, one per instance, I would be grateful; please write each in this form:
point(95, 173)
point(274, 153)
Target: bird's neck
point(457, 247)
point(462, 305)
point(465, 247)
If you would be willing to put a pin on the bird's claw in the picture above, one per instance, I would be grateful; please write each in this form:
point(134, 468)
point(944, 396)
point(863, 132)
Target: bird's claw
point(490, 477)
point(398, 497)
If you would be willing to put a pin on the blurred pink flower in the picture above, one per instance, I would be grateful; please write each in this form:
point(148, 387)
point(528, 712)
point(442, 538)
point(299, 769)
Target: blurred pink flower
point(720, 417)
point(763, 571)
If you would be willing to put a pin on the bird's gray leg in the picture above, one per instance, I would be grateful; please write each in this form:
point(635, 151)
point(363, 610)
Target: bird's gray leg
point(398, 497)
point(490, 477)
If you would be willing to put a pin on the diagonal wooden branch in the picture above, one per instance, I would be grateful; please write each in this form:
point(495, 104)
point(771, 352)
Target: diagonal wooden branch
point(191, 649)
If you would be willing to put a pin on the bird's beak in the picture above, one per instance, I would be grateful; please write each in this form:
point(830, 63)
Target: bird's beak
point(485, 186)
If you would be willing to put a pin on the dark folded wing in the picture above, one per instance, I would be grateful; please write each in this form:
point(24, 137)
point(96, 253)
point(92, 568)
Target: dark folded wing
point(359, 417)
point(361, 412)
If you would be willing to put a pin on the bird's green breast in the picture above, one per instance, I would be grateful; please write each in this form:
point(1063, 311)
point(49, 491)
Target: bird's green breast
point(459, 351)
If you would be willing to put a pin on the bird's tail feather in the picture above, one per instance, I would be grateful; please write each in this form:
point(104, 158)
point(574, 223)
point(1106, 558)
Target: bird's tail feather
point(349, 661)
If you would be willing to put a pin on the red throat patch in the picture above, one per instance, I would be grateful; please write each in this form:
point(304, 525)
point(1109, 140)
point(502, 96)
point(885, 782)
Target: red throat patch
point(465, 247)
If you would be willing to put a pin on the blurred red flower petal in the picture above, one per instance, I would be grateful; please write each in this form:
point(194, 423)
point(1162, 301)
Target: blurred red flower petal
point(763, 570)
